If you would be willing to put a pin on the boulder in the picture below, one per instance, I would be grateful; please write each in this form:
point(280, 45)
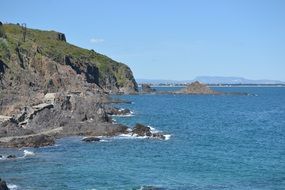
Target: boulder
point(91, 139)
point(50, 98)
point(4, 118)
point(158, 136)
point(141, 130)
point(3, 185)
point(11, 157)
point(61, 37)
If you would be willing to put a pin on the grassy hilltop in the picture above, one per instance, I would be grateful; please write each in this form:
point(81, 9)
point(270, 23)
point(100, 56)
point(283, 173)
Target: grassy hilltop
point(43, 60)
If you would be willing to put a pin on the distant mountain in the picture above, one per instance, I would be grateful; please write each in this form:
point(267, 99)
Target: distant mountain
point(211, 80)
point(234, 80)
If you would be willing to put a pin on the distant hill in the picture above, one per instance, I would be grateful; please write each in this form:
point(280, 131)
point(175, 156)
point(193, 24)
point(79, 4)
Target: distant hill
point(211, 80)
point(234, 80)
point(33, 60)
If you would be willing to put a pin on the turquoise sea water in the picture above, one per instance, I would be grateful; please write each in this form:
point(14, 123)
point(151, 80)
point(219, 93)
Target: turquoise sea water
point(217, 142)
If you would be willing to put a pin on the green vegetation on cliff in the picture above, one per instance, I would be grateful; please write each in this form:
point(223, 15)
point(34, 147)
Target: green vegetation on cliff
point(24, 50)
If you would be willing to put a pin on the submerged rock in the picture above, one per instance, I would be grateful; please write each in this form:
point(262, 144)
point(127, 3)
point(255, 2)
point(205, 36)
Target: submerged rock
point(3, 185)
point(11, 156)
point(91, 139)
point(149, 188)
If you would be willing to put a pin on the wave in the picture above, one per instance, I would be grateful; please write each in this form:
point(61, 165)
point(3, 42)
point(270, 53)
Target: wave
point(131, 114)
point(154, 130)
point(28, 153)
point(12, 186)
point(167, 137)
point(130, 136)
point(146, 187)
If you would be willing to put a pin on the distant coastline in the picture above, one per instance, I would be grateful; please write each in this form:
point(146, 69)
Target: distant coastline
point(218, 85)
point(215, 81)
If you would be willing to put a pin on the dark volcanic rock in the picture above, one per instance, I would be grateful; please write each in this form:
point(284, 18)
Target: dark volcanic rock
point(158, 136)
point(151, 188)
point(11, 157)
point(31, 141)
point(147, 89)
point(91, 139)
point(141, 130)
point(3, 185)
point(197, 88)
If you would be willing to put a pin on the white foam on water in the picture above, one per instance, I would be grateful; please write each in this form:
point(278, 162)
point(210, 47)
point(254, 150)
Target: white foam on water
point(28, 153)
point(127, 115)
point(12, 186)
point(154, 130)
point(130, 136)
point(167, 137)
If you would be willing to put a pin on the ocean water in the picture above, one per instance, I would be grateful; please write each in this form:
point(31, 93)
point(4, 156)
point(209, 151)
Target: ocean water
point(216, 143)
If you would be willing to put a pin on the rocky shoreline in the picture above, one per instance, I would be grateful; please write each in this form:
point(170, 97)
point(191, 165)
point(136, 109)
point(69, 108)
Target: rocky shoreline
point(61, 115)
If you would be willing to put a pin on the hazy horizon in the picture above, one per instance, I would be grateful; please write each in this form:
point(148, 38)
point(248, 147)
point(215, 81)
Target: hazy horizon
point(178, 40)
point(189, 79)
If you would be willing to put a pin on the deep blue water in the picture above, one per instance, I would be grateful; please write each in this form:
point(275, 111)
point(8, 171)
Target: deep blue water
point(217, 142)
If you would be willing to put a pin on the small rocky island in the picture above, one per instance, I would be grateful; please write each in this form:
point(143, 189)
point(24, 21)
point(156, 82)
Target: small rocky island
point(146, 88)
point(197, 88)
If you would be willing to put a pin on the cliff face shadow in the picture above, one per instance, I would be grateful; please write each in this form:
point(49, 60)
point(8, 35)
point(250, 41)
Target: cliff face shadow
point(3, 67)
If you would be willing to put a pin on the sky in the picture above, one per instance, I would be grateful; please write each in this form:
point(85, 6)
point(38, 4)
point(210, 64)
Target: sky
point(169, 39)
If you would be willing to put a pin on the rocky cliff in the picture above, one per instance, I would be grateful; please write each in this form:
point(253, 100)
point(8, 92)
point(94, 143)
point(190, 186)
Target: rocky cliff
point(51, 89)
point(44, 60)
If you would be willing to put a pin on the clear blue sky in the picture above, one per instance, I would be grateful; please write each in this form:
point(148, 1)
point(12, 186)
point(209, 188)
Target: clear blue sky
point(163, 39)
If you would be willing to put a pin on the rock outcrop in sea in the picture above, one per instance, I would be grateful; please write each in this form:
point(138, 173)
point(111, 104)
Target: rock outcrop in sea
point(3, 185)
point(146, 88)
point(197, 88)
point(141, 130)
